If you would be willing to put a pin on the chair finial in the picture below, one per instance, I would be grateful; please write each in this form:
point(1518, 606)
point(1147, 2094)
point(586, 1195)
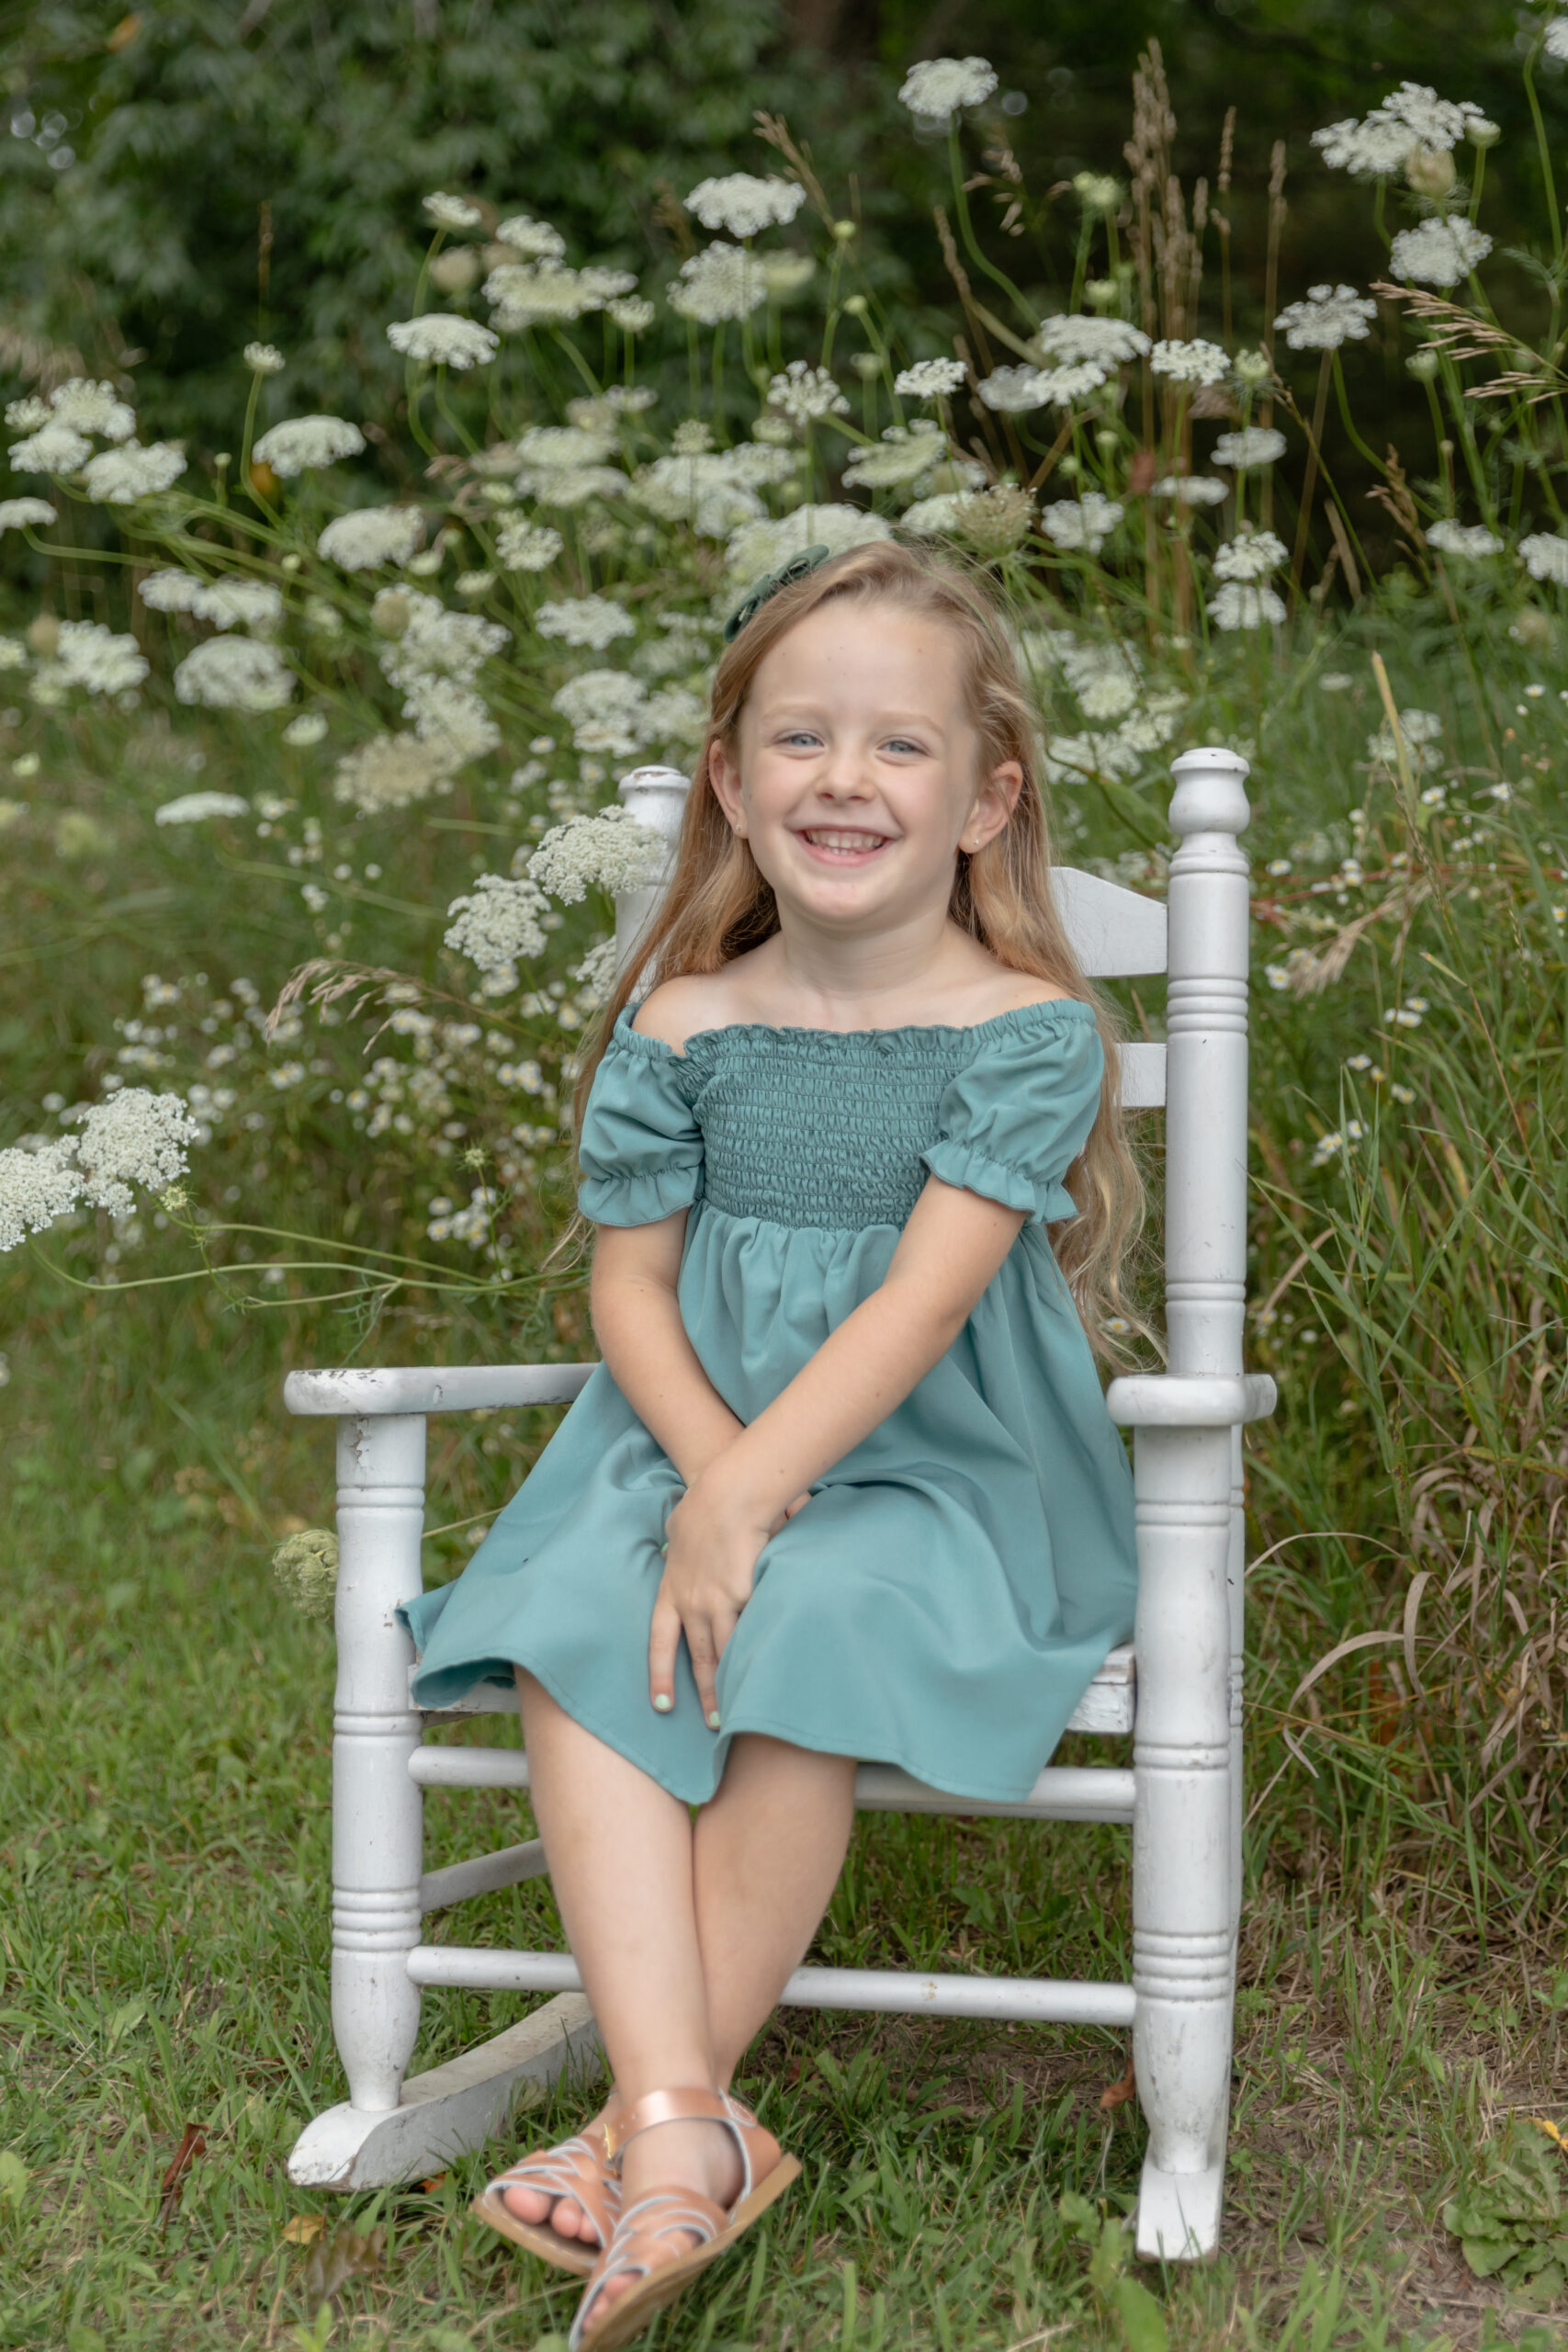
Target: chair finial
point(1208, 797)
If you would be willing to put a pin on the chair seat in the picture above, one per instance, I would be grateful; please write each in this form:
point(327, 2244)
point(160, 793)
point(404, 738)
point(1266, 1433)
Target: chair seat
point(1106, 1706)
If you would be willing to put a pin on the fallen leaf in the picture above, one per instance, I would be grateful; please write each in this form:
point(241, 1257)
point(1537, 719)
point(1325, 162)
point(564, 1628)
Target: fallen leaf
point(304, 2229)
point(1119, 2093)
point(193, 2143)
point(433, 2184)
point(346, 2255)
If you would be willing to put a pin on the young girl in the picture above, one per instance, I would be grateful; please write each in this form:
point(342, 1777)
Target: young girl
point(844, 1485)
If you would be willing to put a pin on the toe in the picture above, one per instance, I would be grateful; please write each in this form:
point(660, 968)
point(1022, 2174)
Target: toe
point(529, 2204)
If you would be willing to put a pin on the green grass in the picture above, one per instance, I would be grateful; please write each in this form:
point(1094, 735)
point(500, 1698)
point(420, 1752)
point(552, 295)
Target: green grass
point(165, 1808)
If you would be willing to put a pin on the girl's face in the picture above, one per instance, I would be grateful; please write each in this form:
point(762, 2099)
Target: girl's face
point(858, 778)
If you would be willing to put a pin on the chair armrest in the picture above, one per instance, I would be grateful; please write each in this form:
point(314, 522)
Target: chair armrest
point(434, 1388)
point(1169, 1400)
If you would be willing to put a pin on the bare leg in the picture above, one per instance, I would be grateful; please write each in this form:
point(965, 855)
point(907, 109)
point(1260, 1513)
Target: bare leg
point(651, 1909)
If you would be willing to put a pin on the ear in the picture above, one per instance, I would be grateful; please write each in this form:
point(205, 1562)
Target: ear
point(724, 775)
point(993, 804)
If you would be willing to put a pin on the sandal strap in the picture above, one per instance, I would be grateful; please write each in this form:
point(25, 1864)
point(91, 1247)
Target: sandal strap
point(641, 2228)
point(574, 2169)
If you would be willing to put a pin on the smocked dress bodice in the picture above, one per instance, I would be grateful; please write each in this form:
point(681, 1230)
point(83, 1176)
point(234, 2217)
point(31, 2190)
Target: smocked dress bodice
point(959, 1575)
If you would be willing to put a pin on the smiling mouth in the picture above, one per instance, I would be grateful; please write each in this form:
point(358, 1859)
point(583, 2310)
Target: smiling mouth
point(842, 844)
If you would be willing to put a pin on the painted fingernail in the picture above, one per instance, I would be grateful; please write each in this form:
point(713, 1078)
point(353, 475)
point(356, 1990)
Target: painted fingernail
point(663, 1702)
point(664, 1547)
point(713, 1719)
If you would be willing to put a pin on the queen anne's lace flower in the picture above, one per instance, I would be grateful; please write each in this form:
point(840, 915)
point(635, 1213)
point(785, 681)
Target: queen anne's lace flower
point(1081, 522)
point(721, 282)
point(120, 477)
point(1555, 37)
point(234, 673)
point(439, 643)
point(804, 393)
point(1409, 118)
point(1439, 252)
point(21, 513)
point(35, 1188)
point(90, 656)
point(1239, 606)
point(1463, 539)
point(565, 445)
point(529, 294)
point(526, 547)
point(714, 490)
point(1423, 733)
point(1545, 555)
point(302, 442)
point(1190, 363)
point(632, 314)
point(453, 211)
point(1329, 316)
point(444, 340)
point(55, 448)
point(264, 359)
point(136, 1138)
point(764, 545)
point(28, 414)
point(571, 485)
point(743, 205)
point(902, 457)
point(369, 536)
point(610, 849)
point(308, 729)
point(1076, 337)
point(497, 924)
point(392, 772)
point(604, 709)
point(93, 408)
point(1255, 444)
point(534, 240)
point(1016, 389)
point(593, 621)
point(938, 86)
point(1191, 489)
point(1252, 556)
point(990, 521)
point(929, 379)
point(250, 604)
point(195, 807)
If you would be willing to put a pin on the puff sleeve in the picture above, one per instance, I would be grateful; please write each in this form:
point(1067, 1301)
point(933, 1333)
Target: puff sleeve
point(1016, 1117)
point(641, 1148)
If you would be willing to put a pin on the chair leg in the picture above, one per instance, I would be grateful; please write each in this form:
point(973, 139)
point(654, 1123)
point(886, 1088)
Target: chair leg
point(1235, 1593)
point(377, 1812)
point(1182, 1900)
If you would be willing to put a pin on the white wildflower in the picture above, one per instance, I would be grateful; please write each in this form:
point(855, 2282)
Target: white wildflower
point(1014, 391)
point(764, 545)
point(1237, 606)
point(93, 408)
point(526, 547)
point(935, 517)
point(474, 584)
point(743, 205)
point(89, 655)
point(571, 485)
point(632, 314)
point(369, 536)
point(453, 211)
point(227, 604)
point(308, 729)
point(264, 359)
point(529, 294)
point(55, 448)
point(498, 923)
point(1451, 537)
point(938, 86)
point(443, 340)
point(804, 393)
point(1108, 694)
point(1410, 117)
point(35, 1188)
point(1329, 316)
point(452, 715)
point(392, 772)
point(565, 445)
point(1555, 36)
point(929, 379)
point(195, 807)
point(1190, 363)
point(1075, 337)
point(593, 621)
point(1081, 522)
point(1423, 733)
point(595, 975)
point(604, 709)
point(611, 850)
point(721, 282)
point(784, 274)
point(674, 716)
point(714, 490)
point(13, 656)
point(1252, 556)
point(1545, 556)
point(28, 414)
point(1439, 252)
point(902, 457)
point(1255, 444)
point(136, 1138)
point(1191, 489)
point(307, 442)
point(437, 643)
point(21, 513)
point(534, 240)
point(234, 673)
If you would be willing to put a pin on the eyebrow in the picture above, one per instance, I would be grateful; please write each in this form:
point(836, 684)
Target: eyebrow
point(800, 713)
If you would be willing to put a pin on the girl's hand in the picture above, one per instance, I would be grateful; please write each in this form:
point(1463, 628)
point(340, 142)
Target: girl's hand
point(713, 1539)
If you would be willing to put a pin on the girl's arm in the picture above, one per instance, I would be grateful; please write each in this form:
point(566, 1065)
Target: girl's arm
point(946, 1258)
point(637, 1322)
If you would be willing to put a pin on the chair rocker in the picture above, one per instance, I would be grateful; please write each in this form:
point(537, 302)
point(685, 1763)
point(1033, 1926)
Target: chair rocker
point(1177, 1688)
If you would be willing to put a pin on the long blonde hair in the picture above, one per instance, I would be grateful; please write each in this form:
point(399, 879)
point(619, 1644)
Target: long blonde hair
point(718, 904)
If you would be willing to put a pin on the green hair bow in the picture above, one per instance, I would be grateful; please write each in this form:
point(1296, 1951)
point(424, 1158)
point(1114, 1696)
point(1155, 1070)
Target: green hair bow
point(769, 585)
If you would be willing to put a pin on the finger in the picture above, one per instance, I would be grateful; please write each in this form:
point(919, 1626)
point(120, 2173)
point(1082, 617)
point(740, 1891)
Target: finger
point(705, 1667)
point(663, 1641)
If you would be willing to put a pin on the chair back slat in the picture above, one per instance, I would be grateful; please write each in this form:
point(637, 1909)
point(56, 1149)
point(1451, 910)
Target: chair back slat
point(1116, 933)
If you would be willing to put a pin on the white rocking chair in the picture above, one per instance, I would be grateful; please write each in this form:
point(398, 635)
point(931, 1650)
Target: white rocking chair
point(1181, 1699)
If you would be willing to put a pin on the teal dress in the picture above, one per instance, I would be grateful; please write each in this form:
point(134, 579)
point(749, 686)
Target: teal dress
point(956, 1579)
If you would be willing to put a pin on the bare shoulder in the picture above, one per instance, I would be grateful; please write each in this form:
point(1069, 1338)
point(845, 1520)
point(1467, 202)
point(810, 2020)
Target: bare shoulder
point(677, 1008)
point(1006, 990)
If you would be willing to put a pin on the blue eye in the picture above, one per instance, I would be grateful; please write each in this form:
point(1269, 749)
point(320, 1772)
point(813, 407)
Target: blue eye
point(902, 743)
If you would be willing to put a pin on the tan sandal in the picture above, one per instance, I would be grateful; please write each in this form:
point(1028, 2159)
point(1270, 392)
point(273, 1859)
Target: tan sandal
point(578, 2168)
point(645, 2228)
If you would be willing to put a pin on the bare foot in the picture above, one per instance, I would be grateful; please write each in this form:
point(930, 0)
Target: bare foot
point(563, 2214)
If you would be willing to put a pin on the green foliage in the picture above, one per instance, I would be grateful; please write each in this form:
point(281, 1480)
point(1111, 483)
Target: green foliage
point(1511, 2216)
